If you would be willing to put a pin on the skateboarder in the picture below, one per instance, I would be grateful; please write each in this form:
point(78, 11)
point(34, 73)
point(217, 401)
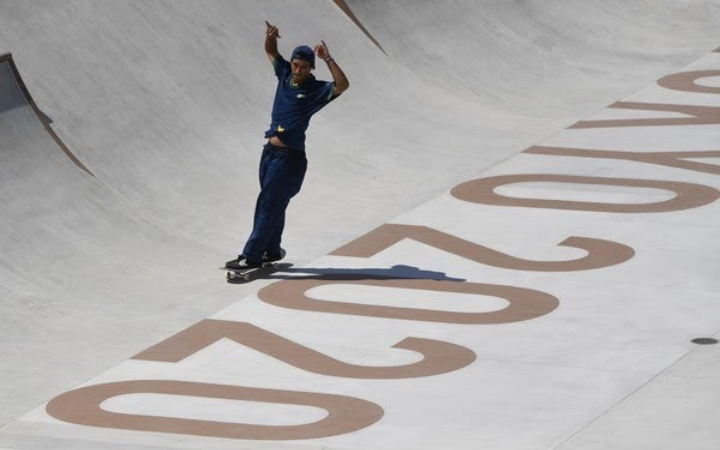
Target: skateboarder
point(299, 95)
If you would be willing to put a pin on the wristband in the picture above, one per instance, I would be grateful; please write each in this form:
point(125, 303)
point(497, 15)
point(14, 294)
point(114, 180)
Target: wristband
point(329, 58)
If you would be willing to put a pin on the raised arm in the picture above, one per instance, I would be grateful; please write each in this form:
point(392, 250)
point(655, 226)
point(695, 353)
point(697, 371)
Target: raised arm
point(272, 34)
point(341, 81)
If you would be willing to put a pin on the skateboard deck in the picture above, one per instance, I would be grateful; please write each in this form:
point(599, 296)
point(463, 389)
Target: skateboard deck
point(250, 273)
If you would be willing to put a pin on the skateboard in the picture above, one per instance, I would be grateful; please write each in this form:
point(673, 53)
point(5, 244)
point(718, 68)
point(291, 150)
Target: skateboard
point(250, 273)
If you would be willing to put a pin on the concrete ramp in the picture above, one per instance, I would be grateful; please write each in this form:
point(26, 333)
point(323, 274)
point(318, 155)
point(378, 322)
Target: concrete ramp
point(552, 59)
point(506, 239)
point(68, 242)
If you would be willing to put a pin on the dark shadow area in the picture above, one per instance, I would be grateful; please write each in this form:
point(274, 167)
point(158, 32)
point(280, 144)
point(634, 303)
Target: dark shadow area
point(398, 272)
point(11, 93)
point(14, 94)
point(44, 117)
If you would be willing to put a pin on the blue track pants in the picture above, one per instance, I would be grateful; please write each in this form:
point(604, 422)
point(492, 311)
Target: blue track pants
point(282, 172)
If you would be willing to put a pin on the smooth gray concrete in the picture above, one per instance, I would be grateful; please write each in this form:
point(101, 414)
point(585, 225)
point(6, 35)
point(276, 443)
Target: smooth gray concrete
point(165, 103)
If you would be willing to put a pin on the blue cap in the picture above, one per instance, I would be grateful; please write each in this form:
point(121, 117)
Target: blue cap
point(304, 53)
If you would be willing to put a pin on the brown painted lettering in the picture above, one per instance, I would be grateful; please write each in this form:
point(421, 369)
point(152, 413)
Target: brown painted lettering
point(687, 195)
point(438, 356)
point(601, 253)
point(669, 159)
point(525, 304)
point(699, 115)
point(686, 81)
point(83, 407)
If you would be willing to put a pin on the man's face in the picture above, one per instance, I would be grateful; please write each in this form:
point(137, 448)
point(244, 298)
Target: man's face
point(300, 71)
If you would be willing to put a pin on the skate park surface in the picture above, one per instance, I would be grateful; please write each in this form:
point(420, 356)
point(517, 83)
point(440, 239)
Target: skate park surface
point(504, 240)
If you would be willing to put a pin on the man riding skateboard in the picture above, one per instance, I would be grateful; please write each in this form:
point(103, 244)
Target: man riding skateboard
point(298, 96)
